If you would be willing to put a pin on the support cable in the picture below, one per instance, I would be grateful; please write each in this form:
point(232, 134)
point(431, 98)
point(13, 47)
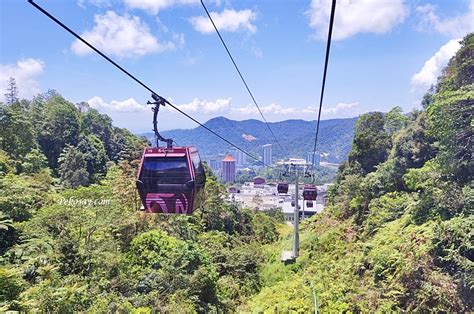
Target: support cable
point(240, 74)
point(138, 81)
point(328, 47)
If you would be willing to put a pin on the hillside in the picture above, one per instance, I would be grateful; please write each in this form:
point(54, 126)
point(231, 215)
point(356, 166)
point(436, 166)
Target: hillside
point(397, 235)
point(72, 238)
point(296, 136)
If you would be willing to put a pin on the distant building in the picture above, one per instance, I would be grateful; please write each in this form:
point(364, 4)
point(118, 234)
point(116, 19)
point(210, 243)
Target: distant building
point(267, 154)
point(220, 157)
point(239, 157)
point(228, 169)
point(214, 164)
point(298, 163)
point(258, 181)
point(309, 158)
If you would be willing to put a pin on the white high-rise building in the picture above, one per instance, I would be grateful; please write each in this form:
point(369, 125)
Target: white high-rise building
point(309, 158)
point(214, 164)
point(267, 154)
point(239, 157)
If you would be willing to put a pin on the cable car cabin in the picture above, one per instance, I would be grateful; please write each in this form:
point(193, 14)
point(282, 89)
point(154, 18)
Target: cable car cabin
point(309, 192)
point(171, 180)
point(282, 188)
point(309, 204)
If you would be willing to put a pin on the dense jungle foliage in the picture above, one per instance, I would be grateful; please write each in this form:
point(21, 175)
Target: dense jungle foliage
point(71, 238)
point(397, 234)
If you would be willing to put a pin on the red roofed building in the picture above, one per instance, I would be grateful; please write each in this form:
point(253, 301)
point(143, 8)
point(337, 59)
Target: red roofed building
point(228, 169)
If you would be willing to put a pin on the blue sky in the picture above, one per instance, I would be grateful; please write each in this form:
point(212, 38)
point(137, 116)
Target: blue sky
point(385, 53)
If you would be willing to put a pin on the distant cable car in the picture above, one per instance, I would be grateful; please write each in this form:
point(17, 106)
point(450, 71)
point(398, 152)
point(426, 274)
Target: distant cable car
point(309, 192)
point(282, 187)
point(309, 204)
point(170, 179)
point(234, 189)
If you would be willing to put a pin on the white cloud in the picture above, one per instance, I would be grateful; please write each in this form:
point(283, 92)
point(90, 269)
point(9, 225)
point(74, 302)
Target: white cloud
point(206, 107)
point(256, 51)
point(270, 109)
point(155, 6)
point(276, 109)
point(128, 105)
point(356, 16)
point(179, 39)
point(454, 26)
point(97, 3)
point(432, 68)
point(122, 36)
point(338, 108)
point(227, 20)
point(25, 72)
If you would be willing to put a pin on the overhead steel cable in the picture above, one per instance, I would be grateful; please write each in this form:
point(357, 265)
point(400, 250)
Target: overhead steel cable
point(137, 80)
point(240, 74)
point(328, 48)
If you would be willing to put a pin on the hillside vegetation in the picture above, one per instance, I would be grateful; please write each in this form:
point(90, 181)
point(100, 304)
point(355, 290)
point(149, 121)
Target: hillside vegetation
point(398, 233)
point(72, 240)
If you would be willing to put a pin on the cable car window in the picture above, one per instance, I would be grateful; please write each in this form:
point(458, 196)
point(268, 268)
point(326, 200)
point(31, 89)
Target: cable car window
point(197, 162)
point(200, 173)
point(167, 170)
point(162, 164)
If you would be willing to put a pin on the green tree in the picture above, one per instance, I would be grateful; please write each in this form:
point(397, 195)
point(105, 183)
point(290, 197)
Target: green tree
point(11, 95)
point(413, 146)
point(264, 228)
point(17, 137)
point(36, 112)
point(34, 161)
point(73, 168)
point(451, 113)
point(428, 97)
point(61, 127)
point(395, 120)
point(257, 200)
point(19, 199)
point(276, 213)
point(11, 286)
point(126, 146)
point(5, 163)
point(371, 142)
point(95, 155)
point(99, 125)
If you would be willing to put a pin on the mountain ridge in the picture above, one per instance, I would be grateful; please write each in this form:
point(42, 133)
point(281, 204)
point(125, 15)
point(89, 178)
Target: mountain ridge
point(295, 135)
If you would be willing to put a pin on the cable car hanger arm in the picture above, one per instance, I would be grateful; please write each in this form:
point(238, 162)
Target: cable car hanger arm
point(159, 101)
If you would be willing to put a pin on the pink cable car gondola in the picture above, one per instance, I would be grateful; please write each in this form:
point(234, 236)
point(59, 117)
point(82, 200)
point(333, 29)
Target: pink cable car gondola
point(170, 179)
point(282, 187)
point(309, 192)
